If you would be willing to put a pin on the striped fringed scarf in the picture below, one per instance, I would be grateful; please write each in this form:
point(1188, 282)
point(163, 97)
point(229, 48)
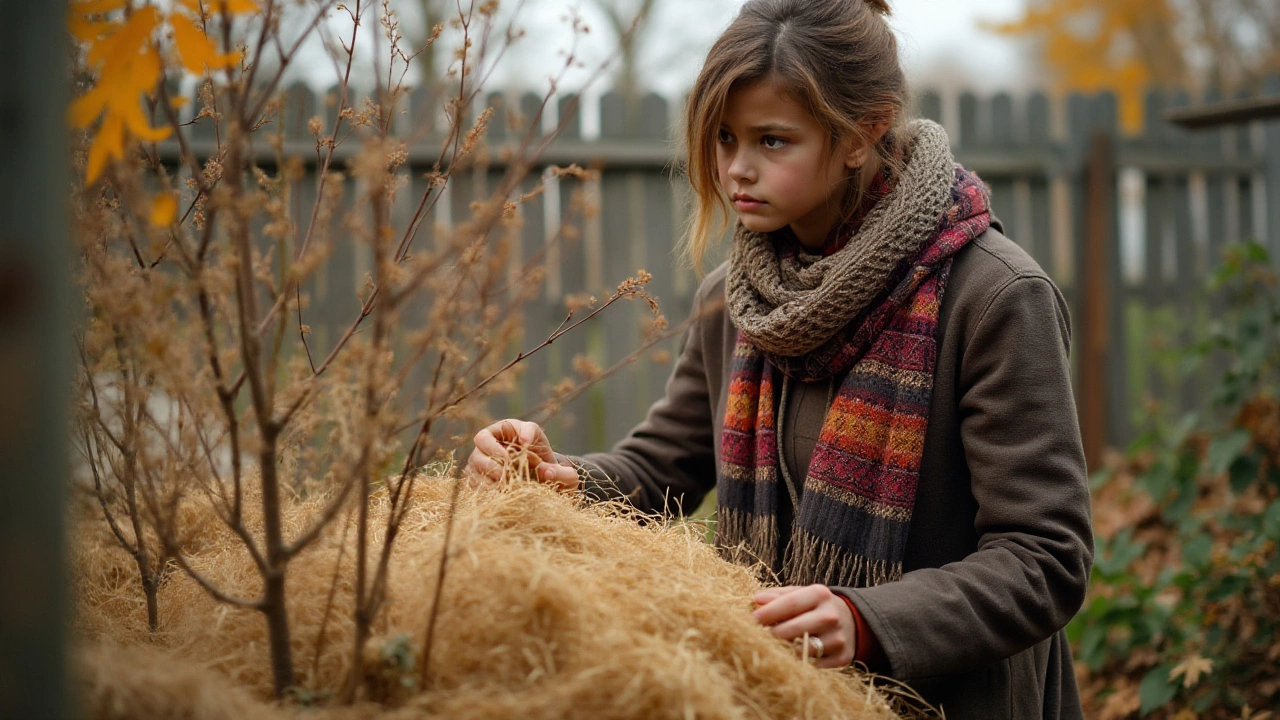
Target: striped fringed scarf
point(851, 526)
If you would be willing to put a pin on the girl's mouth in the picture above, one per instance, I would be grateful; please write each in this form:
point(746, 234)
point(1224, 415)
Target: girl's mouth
point(745, 203)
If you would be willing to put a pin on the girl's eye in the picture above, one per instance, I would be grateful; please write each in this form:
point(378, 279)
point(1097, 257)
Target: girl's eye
point(772, 142)
point(724, 136)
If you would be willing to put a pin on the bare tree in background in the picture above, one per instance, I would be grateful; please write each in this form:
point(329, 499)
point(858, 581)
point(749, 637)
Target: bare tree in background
point(1130, 46)
point(626, 24)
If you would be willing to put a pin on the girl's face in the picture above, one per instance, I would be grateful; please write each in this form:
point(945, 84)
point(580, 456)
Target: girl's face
point(778, 165)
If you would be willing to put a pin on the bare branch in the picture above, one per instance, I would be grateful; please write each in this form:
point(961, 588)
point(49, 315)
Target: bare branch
point(100, 493)
point(213, 590)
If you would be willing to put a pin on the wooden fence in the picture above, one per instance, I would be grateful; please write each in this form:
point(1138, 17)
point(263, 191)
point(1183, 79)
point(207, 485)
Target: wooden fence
point(1129, 249)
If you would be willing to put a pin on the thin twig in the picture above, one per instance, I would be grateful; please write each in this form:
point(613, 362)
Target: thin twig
point(100, 493)
point(429, 638)
point(541, 413)
point(328, 603)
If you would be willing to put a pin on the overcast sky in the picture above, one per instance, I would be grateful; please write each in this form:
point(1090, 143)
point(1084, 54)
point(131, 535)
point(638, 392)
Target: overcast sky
point(941, 41)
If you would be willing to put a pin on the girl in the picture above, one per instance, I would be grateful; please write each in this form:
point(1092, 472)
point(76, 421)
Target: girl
point(877, 381)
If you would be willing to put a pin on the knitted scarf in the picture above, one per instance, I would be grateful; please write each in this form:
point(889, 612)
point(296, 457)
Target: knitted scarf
point(871, 309)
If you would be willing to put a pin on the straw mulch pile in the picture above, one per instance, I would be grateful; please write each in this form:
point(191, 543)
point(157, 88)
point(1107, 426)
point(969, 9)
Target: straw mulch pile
point(550, 610)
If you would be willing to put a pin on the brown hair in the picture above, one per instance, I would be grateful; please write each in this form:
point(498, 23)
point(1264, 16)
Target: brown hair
point(838, 58)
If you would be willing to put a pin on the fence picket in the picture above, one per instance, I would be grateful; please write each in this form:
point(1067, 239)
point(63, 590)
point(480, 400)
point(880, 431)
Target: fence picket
point(1203, 190)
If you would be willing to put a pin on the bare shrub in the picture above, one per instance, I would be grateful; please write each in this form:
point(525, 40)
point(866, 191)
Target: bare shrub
point(207, 402)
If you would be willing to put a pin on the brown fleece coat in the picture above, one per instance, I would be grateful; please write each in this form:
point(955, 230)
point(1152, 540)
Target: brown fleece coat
point(1000, 544)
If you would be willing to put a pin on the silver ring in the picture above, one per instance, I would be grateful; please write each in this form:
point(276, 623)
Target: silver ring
point(814, 647)
point(818, 649)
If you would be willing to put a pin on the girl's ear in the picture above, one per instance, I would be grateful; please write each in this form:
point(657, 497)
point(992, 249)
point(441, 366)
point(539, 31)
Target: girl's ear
point(856, 157)
point(858, 152)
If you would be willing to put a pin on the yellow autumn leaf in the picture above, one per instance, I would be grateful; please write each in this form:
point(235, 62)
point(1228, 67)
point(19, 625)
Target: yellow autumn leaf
point(138, 76)
point(137, 124)
point(86, 108)
point(234, 7)
point(164, 208)
point(143, 72)
point(86, 30)
point(94, 7)
point(179, 101)
point(238, 7)
point(128, 40)
point(108, 144)
point(196, 50)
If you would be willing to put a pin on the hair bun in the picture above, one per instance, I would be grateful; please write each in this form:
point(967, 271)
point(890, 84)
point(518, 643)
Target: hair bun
point(880, 6)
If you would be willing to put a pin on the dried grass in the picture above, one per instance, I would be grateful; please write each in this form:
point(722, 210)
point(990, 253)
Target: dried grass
point(550, 610)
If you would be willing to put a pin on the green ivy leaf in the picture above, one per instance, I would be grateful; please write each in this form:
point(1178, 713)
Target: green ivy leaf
point(1094, 651)
point(1197, 551)
point(1244, 472)
point(1159, 480)
point(1271, 521)
point(1115, 556)
point(1156, 688)
point(1185, 425)
point(1224, 450)
point(1180, 508)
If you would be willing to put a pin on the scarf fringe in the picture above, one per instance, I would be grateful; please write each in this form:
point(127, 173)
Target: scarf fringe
point(748, 539)
point(752, 540)
point(811, 559)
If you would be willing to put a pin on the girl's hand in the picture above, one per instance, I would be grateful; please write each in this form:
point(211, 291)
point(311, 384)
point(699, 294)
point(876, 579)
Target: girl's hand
point(792, 611)
point(500, 444)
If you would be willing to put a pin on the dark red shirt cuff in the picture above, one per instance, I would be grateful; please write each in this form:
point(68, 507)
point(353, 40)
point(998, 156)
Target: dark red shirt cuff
point(868, 650)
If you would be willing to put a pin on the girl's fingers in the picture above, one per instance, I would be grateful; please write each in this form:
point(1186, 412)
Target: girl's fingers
point(518, 433)
point(813, 610)
point(769, 594)
point(835, 654)
point(788, 605)
point(535, 439)
point(504, 431)
point(553, 473)
point(481, 468)
point(503, 442)
point(815, 622)
point(486, 442)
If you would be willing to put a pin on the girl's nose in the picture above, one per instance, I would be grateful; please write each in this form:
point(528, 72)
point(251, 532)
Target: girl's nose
point(741, 169)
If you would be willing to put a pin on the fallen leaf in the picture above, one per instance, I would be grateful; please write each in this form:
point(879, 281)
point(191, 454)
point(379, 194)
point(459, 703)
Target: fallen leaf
point(1191, 669)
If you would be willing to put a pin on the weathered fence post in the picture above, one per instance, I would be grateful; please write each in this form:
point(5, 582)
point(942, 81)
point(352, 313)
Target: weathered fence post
point(1097, 310)
point(1272, 141)
point(35, 359)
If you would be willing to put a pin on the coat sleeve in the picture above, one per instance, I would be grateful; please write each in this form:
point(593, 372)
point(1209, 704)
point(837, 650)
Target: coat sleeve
point(667, 462)
point(1021, 439)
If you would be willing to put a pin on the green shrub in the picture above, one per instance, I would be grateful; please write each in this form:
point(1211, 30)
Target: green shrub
point(1183, 615)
